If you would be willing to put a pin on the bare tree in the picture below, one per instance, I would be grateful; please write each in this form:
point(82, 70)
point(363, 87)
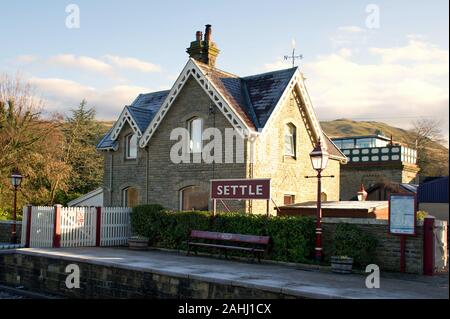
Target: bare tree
point(427, 134)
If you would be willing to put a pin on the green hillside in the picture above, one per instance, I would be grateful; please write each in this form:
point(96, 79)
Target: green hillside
point(347, 127)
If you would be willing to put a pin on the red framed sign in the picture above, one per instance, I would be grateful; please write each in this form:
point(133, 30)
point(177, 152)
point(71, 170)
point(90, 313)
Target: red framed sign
point(240, 189)
point(402, 214)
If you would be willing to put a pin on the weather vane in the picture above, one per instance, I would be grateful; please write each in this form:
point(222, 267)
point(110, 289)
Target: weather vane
point(293, 57)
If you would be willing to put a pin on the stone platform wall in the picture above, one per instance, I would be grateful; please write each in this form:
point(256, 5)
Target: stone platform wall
point(5, 230)
point(47, 275)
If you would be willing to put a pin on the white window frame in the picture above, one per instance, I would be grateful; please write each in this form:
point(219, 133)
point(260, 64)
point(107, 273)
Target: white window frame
point(190, 146)
point(128, 139)
point(292, 138)
point(125, 197)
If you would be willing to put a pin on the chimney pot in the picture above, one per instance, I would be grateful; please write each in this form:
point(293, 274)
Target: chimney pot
point(198, 36)
point(208, 33)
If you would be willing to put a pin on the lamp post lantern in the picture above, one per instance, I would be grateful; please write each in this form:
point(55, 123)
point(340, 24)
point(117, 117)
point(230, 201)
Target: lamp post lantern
point(319, 160)
point(16, 180)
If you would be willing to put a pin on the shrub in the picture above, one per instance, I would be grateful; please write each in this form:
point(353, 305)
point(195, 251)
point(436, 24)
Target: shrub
point(421, 214)
point(146, 220)
point(350, 240)
point(292, 237)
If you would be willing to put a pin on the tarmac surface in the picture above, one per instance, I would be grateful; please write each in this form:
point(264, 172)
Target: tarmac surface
point(278, 278)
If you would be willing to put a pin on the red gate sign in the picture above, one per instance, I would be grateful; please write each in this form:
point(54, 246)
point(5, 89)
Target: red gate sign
point(240, 189)
point(80, 218)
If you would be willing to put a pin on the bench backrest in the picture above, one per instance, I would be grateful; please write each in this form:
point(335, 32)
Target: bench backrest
point(251, 239)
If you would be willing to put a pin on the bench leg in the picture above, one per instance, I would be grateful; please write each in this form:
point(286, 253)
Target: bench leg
point(189, 250)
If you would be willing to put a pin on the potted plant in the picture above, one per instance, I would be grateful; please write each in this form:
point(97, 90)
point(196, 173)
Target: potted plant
point(341, 264)
point(138, 243)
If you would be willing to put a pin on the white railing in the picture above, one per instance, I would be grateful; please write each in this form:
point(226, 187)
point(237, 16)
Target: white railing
point(76, 226)
point(115, 226)
point(42, 220)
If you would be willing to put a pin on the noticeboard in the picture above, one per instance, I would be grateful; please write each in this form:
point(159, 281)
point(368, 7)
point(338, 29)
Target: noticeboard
point(402, 214)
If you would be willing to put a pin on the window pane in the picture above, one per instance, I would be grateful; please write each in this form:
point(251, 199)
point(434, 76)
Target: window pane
point(196, 135)
point(347, 144)
point(132, 146)
point(194, 198)
point(289, 199)
point(365, 142)
point(289, 140)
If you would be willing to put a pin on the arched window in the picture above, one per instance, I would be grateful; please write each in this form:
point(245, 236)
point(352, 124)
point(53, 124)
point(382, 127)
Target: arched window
point(195, 126)
point(289, 139)
point(323, 197)
point(131, 146)
point(130, 197)
point(193, 198)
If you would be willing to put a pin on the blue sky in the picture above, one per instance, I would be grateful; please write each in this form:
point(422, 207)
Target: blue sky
point(126, 47)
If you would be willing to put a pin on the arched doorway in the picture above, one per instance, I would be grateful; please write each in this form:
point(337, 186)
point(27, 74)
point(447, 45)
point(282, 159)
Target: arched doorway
point(130, 197)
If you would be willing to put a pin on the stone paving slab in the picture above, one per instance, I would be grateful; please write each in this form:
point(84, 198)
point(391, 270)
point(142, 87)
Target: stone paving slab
point(310, 284)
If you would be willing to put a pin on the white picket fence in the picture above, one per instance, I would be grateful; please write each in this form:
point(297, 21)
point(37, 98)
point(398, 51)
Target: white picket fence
point(77, 226)
point(115, 226)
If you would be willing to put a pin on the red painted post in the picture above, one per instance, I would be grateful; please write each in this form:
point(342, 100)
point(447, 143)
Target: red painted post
point(28, 229)
point(428, 246)
point(57, 227)
point(402, 253)
point(98, 226)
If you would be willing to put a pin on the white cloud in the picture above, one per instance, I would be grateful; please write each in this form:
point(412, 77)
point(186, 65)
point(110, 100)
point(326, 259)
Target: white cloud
point(278, 64)
point(62, 95)
point(26, 58)
point(132, 63)
point(352, 29)
point(408, 81)
point(416, 51)
point(82, 62)
point(349, 35)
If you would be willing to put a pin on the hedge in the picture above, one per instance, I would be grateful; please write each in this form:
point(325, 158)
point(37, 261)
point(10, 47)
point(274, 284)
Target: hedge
point(292, 237)
point(350, 240)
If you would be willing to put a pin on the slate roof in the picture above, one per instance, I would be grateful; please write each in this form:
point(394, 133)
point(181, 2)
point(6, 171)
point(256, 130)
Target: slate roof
point(252, 97)
point(143, 109)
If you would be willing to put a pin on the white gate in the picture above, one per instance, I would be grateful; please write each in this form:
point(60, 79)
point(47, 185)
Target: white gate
point(42, 220)
point(115, 226)
point(78, 226)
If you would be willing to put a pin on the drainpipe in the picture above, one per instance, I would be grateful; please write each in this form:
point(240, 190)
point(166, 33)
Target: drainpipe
point(111, 166)
point(146, 174)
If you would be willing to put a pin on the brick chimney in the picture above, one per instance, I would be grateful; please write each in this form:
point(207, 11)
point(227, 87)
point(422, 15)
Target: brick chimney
point(204, 50)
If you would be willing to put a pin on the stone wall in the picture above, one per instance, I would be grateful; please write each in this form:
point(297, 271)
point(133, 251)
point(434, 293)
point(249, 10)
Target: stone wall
point(352, 175)
point(5, 230)
point(388, 248)
point(47, 275)
point(288, 173)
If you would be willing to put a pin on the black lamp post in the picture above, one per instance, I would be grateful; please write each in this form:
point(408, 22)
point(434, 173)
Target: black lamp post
point(319, 160)
point(16, 179)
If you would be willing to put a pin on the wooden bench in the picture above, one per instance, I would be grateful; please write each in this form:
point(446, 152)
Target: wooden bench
point(256, 245)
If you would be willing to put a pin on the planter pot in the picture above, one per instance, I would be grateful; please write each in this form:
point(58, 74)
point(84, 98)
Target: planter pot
point(138, 243)
point(341, 265)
